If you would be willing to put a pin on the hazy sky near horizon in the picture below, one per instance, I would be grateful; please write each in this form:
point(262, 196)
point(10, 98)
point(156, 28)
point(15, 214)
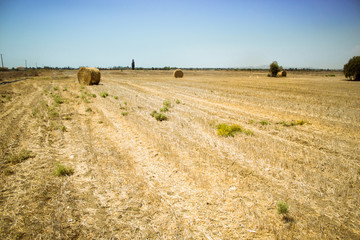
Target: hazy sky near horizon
point(197, 33)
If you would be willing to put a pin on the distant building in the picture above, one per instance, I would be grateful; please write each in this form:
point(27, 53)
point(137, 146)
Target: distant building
point(20, 68)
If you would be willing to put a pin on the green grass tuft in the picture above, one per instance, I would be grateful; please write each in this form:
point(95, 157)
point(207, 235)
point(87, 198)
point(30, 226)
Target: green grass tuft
point(116, 97)
point(20, 157)
point(104, 94)
point(282, 207)
point(124, 113)
point(61, 170)
point(264, 122)
point(293, 123)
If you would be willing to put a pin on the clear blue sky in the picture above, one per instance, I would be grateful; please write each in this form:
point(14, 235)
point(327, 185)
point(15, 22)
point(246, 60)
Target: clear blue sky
point(197, 33)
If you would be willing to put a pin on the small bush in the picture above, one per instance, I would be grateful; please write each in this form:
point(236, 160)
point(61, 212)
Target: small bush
point(63, 128)
point(116, 97)
point(160, 117)
point(124, 113)
point(164, 109)
point(167, 104)
point(55, 88)
point(93, 95)
point(88, 109)
point(61, 170)
point(282, 207)
point(20, 157)
point(64, 89)
point(228, 131)
point(104, 94)
point(177, 101)
point(153, 113)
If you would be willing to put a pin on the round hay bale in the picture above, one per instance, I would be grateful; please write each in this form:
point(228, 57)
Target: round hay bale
point(178, 73)
point(89, 76)
point(281, 74)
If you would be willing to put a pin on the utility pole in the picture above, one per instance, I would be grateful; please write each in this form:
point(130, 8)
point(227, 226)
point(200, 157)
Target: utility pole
point(2, 62)
point(25, 63)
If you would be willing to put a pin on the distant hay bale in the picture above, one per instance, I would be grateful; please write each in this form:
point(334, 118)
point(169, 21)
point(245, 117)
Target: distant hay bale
point(281, 74)
point(178, 73)
point(89, 76)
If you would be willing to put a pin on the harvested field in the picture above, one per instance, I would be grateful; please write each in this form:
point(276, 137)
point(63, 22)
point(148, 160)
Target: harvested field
point(138, 178)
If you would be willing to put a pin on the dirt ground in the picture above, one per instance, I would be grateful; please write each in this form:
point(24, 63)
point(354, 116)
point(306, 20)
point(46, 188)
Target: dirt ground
point(139, 178)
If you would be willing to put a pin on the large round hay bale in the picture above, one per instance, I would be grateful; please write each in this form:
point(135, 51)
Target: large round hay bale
point(281, 74)
point(178, 73)
point(89, 76)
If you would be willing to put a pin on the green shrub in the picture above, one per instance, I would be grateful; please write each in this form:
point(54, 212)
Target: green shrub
point(228, 131)
point(124, 113)
point(352, 69)
point(55, 88)
point(275, 68)
point(282, 207)
point(61, 170)
point(93, 95)
point(167, 104)
point(225, 130)
point(116, 97)
point(177, 101)
point(88, 109)
point(63, 128)
point(160, 117)
point(153, 113)
point(104, 94)
point(64, 89)
point(164, 109)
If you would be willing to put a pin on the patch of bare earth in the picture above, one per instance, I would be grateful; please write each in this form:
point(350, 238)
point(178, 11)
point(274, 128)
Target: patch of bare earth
point(138, 178)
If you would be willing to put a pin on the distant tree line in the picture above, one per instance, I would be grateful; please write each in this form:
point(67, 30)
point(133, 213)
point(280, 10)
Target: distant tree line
point(173, 68)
